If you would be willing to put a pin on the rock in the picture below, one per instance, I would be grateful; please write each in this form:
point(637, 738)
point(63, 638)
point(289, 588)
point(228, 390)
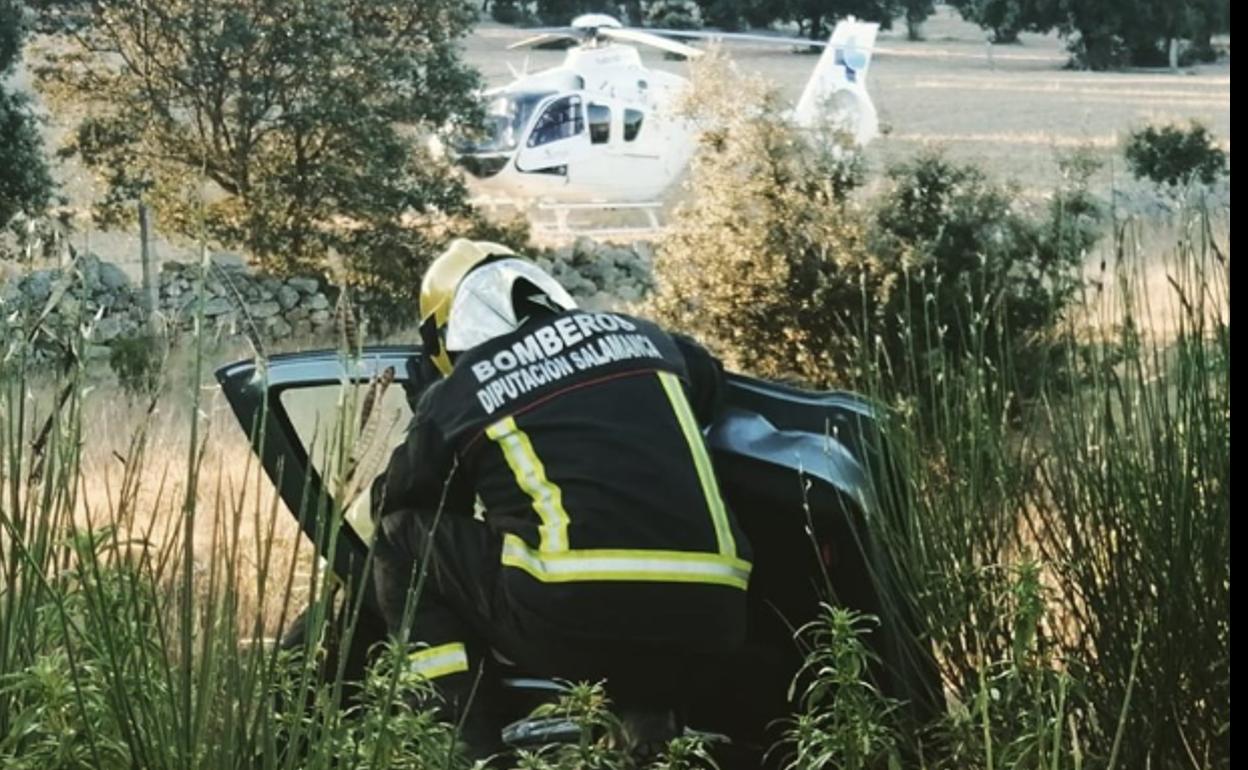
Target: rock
point(70, 306)
point(228, 261)
point(112, 277)
point(10, 293)
point(301, 328)
point(584, 248)
point(607, 276)
point(107, 329)
point(277, 328)
point(600, 301)
point(217, 306)
point(319, 317)
point(88, 266)
point(317, 302)
point(270, 284)
point(287, 296)
point(97, 352)
point(304, 285)
point(297, 314)
point(264, 309)
point(38, 285)
point(628, 292)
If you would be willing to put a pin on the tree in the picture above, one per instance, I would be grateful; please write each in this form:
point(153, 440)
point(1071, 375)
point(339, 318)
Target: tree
point(1007, 18)
point(815, 16)
point(291, 130)
point(24, 181)
point(917, 12)
point(1107, 33)
point(555, 12)
point(942, 260)
point(1207, 18)
point(767, 204)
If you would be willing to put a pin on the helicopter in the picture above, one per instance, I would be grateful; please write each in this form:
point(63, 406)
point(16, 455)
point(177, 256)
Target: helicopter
point(604, 130)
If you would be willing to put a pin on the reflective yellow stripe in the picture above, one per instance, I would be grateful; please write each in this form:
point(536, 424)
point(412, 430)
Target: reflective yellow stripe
point(625, 565)
point(531, 476)
point(439, 661)
point(706, 471)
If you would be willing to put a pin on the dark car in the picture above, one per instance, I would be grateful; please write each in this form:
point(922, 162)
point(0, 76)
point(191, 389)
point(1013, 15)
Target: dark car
point(807, 474)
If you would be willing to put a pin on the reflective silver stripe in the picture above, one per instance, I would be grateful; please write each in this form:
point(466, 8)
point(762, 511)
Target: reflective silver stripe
point(625, 565)
point(438, 661)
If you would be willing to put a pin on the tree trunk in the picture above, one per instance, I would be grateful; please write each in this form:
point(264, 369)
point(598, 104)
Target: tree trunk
point(149, 298)
point(633, 9)
point(1005, 35)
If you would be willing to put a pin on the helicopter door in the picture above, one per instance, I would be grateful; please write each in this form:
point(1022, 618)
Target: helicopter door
point(557, 139)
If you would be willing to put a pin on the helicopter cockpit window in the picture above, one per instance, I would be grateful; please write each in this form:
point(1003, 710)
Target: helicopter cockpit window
point(505, 119)
point(563, 119)
point(632, 124)
point(599, 123)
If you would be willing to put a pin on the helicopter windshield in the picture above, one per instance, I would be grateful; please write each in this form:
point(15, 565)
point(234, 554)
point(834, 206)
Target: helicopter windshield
point(506, 116)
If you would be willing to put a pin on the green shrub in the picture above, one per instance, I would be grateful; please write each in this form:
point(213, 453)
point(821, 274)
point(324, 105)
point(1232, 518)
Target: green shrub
point(786, 273)
point(1174, 156)
point(509, 12)
point(843, 722)
point(674, 14)
point(976, 277)
point(136, 360)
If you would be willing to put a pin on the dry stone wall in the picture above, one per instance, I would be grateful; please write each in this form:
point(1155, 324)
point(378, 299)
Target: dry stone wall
point(102, 299)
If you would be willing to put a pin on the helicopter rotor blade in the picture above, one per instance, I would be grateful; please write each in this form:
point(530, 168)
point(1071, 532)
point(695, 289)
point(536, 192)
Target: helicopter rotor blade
point(650, 39)
point(548, 36)
point(740, 37)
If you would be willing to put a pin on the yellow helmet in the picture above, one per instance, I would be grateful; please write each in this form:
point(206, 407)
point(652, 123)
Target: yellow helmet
point(437, 289)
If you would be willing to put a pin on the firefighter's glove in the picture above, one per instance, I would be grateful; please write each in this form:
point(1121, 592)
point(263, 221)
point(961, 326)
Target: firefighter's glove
point(421, 373)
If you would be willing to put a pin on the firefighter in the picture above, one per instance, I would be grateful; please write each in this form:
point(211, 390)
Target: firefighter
point(556, 495)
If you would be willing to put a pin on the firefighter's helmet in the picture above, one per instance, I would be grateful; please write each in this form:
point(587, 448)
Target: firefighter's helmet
point(476, 291)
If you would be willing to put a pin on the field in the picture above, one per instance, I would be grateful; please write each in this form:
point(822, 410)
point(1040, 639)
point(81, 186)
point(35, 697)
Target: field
point(1009, 109)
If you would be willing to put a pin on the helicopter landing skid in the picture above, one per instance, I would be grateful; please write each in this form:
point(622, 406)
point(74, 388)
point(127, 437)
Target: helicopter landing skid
point(592, 219)
point(562, 214)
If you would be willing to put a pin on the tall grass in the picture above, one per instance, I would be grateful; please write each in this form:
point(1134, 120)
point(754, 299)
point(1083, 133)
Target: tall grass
point(1068, 554)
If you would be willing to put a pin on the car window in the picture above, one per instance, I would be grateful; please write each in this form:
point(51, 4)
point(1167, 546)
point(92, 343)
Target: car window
point(346, 446)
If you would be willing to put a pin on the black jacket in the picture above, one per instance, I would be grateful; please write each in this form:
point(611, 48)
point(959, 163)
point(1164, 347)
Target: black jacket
point(580, 435)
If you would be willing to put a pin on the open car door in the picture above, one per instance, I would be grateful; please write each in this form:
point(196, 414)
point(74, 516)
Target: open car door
point(805, 472)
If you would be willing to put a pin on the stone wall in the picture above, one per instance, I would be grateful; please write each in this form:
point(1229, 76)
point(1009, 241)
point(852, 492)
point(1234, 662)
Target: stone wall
point(101, 298)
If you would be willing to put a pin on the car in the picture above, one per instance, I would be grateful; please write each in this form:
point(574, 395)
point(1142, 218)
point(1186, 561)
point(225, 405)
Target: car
point(807, 473)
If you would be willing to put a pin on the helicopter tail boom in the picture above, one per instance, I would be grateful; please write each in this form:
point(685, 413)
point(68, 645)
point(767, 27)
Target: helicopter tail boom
point(836, 91)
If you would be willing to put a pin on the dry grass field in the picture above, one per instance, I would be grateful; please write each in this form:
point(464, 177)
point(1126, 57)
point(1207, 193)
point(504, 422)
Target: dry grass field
point(1008, 108)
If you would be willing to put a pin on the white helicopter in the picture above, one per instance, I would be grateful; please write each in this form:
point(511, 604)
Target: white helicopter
point(602, 129)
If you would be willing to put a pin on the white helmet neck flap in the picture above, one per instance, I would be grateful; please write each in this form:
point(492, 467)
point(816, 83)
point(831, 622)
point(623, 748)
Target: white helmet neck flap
point(485, 302)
